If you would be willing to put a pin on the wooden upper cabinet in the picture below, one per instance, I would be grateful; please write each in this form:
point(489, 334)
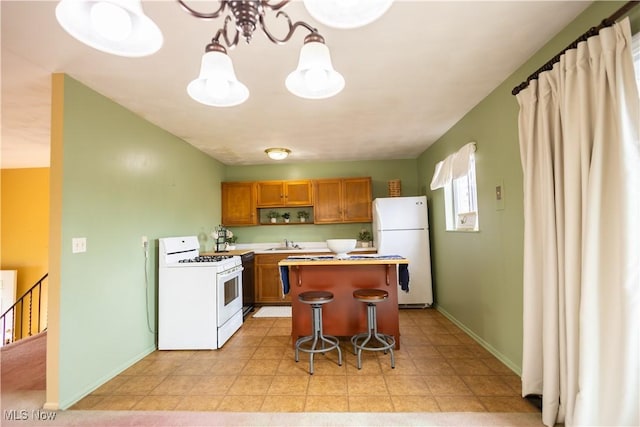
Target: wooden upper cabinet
point(239, 203)
point(357, 200)
point(328, 201)
point(342, 200)
point(270, 193)
point(284, 193)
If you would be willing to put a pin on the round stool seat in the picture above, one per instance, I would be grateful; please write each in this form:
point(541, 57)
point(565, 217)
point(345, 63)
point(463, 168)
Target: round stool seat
point(315, 297)
point(370, 295)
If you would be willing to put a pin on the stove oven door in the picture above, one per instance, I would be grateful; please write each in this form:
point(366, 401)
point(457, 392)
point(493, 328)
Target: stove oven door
point(229, 288)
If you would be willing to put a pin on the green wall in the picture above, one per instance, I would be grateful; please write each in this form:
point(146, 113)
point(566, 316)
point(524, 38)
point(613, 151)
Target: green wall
point(380, 171)
point(122, 178)
point(478, 276)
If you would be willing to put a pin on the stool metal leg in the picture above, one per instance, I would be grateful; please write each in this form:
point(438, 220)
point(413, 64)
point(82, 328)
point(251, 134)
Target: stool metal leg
point(317, 337)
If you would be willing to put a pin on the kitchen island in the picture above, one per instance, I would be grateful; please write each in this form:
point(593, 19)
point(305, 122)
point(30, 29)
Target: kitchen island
point(344, 316)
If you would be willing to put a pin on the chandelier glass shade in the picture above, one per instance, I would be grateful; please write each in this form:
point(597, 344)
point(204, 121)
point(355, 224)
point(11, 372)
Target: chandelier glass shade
point(315, 77)
point(347, 13)
point(217, 84)
point(277, 153)
point(118, 27)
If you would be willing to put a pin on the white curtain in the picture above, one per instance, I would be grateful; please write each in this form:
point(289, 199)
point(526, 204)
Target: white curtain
point(453, 166)
point(580, 152)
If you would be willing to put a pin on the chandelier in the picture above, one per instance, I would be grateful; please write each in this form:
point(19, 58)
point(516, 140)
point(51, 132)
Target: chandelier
point(217, 85)
point(120, 27)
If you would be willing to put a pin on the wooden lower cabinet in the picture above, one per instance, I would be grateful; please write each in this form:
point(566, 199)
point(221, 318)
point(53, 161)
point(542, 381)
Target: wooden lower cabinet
point(267, 279)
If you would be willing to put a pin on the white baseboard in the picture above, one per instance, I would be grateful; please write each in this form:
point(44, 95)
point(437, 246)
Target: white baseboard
point(501, 357)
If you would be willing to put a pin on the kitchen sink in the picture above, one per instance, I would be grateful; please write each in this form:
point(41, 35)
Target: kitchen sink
point(284, 248)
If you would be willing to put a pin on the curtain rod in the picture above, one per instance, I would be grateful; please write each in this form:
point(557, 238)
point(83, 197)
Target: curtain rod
point(607, 22)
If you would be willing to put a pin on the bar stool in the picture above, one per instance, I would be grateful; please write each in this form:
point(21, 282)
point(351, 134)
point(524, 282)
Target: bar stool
point(316, 299)
point(383, 342)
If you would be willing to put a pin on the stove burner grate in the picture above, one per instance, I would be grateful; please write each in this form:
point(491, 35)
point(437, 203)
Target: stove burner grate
point(206, 258)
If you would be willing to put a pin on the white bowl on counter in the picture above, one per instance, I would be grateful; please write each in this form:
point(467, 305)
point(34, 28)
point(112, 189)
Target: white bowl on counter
point(341, 247)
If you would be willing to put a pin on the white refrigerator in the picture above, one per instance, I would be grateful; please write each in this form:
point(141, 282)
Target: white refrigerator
point(400, 227)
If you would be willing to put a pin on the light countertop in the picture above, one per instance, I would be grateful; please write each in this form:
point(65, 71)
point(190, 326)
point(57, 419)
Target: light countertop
point(303, 248)
point(310, 259)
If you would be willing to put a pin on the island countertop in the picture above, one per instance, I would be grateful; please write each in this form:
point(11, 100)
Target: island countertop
point(310, 259)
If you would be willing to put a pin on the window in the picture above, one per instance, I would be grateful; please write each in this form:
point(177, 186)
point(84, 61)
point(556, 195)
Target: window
point(457, 175)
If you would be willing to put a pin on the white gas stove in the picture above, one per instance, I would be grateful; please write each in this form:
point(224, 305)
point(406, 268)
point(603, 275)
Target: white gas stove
point(199, 296)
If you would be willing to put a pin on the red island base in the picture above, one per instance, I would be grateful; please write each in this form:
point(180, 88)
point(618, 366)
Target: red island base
point(344, 316)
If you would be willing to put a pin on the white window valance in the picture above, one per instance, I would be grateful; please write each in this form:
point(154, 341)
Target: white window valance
point(453, 166)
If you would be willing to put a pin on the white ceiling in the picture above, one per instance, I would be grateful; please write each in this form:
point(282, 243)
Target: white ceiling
point(410, 76)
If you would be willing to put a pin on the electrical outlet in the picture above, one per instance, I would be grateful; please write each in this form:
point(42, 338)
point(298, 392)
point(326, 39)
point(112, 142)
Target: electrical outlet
point(145, 241)
point(78, 245)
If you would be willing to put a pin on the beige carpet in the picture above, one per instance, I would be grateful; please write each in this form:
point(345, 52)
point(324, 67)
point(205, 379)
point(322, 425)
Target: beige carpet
point(23, 364)
point(274, 311)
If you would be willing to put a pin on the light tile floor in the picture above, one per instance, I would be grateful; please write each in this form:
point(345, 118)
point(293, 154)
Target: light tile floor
point(438, 369)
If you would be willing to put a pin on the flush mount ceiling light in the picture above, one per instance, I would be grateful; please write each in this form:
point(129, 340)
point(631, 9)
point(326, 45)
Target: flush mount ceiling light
point(119, 27)
point(277, 153)
point(347, 13)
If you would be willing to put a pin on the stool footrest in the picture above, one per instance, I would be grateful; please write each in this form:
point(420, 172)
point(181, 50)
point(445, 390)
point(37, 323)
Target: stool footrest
point(331, 340)
point(387, 341)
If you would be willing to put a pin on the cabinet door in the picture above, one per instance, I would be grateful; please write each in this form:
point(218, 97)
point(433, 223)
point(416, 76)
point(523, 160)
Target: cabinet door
point(298, 193)
point(328, 201)
point(239, 203)
point(271, 194)
point(268, 287)
point(284, 193)
point(357, 200)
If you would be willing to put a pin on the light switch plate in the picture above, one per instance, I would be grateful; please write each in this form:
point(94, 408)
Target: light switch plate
point(500, 195)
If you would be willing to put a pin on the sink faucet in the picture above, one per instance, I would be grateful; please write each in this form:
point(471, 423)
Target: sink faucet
point(290, 244)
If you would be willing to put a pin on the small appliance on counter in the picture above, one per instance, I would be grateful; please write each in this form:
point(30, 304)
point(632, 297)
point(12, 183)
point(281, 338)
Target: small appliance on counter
point(199, 296)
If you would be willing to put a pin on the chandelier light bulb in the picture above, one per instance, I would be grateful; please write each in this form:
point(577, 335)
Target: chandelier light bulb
point(316, 79)
point(110, 21)
point(217, 87)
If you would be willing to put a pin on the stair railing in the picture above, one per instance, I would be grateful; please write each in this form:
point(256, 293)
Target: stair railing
point(17, 316)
